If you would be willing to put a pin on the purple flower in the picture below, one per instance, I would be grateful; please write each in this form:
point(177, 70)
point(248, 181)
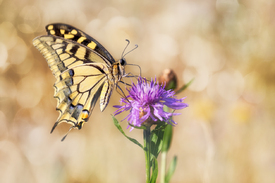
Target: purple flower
point(146, 101)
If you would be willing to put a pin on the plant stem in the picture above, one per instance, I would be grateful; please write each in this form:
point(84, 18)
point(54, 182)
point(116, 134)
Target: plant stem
point(147, 150)
point(163, 166)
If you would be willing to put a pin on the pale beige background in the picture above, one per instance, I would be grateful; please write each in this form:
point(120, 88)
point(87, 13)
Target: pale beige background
point(226, 135)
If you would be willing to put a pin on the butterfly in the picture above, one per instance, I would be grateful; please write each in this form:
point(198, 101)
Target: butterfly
point(84, 71)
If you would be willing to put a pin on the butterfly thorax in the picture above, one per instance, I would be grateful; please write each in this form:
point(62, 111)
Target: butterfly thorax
point(118, 70)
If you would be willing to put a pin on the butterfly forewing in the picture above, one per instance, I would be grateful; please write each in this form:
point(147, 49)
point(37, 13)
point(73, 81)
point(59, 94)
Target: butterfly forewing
point(62, 54)
point(72, 33)
point(83, 69)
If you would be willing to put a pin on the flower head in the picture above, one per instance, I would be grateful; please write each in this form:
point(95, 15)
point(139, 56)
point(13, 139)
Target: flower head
point(146, 101)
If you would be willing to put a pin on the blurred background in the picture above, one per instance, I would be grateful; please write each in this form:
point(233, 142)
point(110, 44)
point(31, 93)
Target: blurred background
point(227, 134)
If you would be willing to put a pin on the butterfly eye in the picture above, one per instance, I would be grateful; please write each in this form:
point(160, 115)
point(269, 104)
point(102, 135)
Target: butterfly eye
point(122, 61)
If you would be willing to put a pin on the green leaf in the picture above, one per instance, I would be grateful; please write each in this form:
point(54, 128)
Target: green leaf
point(160, 125)
point(157, 139)
point(120, 129)
point(184, 86)
point(167, 137)
point(154, 170)
point(171, 169)
point(171, 85)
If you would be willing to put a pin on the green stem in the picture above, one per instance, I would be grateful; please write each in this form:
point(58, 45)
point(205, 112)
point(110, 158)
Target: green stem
point(166, 143)
point(147, 149)
point(163, 166)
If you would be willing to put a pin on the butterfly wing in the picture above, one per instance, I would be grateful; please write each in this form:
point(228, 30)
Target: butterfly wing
point(80, 74)
point(72, 33)
point(106, 93)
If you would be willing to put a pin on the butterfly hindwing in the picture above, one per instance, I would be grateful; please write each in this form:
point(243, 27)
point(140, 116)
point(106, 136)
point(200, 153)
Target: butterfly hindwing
point(72, 33)
point(107, 90)
point(77, 93)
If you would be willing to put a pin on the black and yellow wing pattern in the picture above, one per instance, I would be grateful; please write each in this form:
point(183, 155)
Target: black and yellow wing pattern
point(84, 70)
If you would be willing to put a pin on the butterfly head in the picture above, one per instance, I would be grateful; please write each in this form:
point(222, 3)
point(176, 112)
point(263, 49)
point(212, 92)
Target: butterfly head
point(122, 62)
point(121, 65)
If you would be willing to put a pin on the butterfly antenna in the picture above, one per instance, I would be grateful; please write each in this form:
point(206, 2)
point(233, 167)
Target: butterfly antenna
point(67, 133)
point(128, 42)
point(136, 46)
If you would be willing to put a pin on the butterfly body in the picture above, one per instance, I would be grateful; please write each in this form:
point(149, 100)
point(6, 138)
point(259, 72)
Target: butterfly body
point(84, 70)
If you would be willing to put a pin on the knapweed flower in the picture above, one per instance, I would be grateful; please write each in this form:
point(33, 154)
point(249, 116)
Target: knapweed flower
point(146, 101)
